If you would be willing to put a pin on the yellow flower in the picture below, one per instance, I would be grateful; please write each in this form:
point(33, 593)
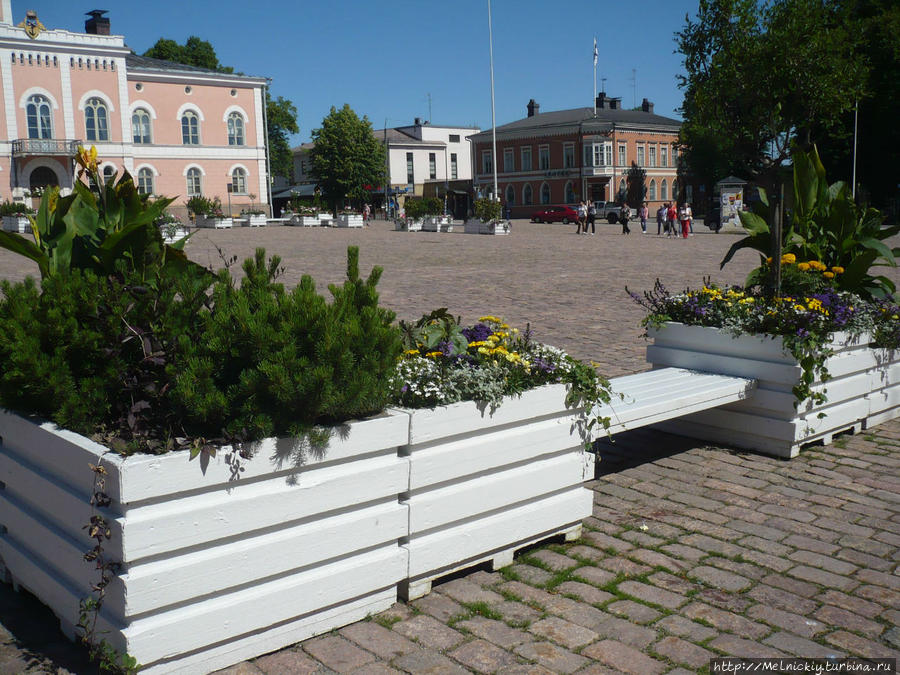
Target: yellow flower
point(803, 267)
point(478, 343)
point(411, 352)
point(788, 258)
point(828, 275)
point(87, 159)
point(491, 319)
point(434, 355)
point(747, 301)
point(800, 308)
point(837, 269)
point(769, 260)
point(894, 316)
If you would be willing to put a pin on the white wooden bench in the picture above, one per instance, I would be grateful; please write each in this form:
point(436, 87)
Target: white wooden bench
point(666, 393)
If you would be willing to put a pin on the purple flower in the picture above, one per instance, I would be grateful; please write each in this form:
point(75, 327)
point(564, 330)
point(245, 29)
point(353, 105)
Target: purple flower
point(477, 333)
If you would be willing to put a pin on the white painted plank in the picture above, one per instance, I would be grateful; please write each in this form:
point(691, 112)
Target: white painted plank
point(766, 372)
point(160, 583)
point(492, 450)
point(444, 548)
point(479, 495)
point(468, 416)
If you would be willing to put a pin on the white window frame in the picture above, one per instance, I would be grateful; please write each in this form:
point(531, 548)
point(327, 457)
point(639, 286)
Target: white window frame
point(663, 155)
point(240, 173)
point(96, 120)
point(454, 167)
point(664, 190)
point(640, 154)
point(487, 164)
point(193, 135)
point(43, 131)
point(142, 174)
point(568, 155)
point(432, 165)
point(136, 126)
point(526, 152)
point(410, 168)
point(194, 174)
point(651, 191)
point(236, 129)
point(623, 154)
point(509, 160)
point(543, 154)
point(651, 155)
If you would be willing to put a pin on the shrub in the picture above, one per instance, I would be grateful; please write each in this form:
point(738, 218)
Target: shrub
point(487, 210)
point(207, 208)
point(8, 208)
point(421, 207)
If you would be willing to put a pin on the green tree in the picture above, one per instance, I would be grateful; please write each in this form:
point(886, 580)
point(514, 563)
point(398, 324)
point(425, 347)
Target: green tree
point(346, 156)
point(636, 190)
point(760, 79)
point(281, 117)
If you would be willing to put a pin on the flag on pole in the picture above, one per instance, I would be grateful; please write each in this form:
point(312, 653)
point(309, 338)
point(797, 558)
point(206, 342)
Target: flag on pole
point(596, 53)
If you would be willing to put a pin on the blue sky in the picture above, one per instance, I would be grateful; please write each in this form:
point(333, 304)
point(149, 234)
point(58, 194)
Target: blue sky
point(385, 57)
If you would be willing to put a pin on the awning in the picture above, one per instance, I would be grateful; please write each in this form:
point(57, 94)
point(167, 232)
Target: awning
point(295, 191)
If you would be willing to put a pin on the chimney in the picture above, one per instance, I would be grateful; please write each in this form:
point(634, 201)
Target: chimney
point(418, 121)
point(97, 24)
point(646, 106)
point(533, 108)
point(601, 100)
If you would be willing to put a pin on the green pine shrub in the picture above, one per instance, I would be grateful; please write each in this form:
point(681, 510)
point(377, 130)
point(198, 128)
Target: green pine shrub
point(166, 358)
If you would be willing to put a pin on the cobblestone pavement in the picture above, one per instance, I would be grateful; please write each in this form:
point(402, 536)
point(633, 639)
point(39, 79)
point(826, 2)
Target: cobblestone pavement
point(693, 551)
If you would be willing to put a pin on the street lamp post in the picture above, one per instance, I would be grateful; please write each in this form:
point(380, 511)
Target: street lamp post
point(493, 115)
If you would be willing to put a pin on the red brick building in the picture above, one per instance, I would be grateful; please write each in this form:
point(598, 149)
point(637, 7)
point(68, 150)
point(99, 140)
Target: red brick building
point(564, 156)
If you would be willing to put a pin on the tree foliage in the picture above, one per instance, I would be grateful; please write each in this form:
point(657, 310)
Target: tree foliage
point(346, 156)
point(760, 78)
point(281, 113)
point(636, 190)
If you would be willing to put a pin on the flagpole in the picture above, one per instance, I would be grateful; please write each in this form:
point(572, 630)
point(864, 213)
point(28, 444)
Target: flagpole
point(594, 61)
point(493, 117)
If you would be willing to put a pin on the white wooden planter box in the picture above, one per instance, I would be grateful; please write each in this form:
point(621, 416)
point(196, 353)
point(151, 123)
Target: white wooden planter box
point(177, 235)
point(408, 225)
point(253, 220)
point(864, 388)
point(325, 220)
point(349, 220)
point(221, 561)
point(216, 223)
point(306, 221)
point(18, 224)
point(484, 484)
point(437, 224)
point(475, 226)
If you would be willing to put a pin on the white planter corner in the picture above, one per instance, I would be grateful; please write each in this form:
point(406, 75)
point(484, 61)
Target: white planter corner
point(18, 224)
point(349, 220)
point(253, 220)
point(408, 225)
point(437, 224)
point(476, 226)
point(864, 388)
point(214, 223)
point(223, 560)
point(306, 221)
point(484, 484)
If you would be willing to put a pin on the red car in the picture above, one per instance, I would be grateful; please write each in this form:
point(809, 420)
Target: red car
point(553, 214)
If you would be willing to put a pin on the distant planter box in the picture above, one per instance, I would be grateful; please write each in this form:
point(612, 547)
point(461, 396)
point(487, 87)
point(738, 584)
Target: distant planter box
point(408, 225)
point(484, 484)
point(178, 234)
point(349, 220)
point(325, 219)
point(253, 220)
point(437, 224)
point(864, 388)
point(306, 221)
point(216, 223)
point(476, 226)
point(18, 224)
point(223, 560)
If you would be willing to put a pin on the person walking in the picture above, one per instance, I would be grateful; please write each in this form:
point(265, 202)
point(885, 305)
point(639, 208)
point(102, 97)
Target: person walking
point(644, 212)
point(582, 218)
point(660, 219)
point(682, 219)
point(591, 218)
point(366, 212)
point(671, 219)
point(687, 219)
point(623, 218)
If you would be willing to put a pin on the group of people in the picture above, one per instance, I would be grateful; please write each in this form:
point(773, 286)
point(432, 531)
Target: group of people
point(670, 218)
point(587, 215)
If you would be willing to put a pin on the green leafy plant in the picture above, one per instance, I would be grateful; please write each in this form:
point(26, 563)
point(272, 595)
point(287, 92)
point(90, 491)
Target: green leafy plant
point(825, 226)
point(203, 207)
point(97, 231)
point(423, 206)
point(487, 210)
point(433, 329)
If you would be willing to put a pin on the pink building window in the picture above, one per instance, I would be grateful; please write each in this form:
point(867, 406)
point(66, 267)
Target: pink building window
point(190, 128)
point(145, 181)
point(140, 126)
point(96, 120)
point(193, 182)
point(239, 182)
point(235, 129)
point(39, 120)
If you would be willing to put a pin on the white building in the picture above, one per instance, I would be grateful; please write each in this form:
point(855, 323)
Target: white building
point(419, 155)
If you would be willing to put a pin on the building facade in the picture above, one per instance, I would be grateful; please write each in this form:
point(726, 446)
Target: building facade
point(178, 130)
point(565, 156)
point(422, 159)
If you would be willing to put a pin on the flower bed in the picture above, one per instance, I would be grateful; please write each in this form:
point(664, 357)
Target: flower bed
point(222, 562)
point(498, 462)
point(861, 388)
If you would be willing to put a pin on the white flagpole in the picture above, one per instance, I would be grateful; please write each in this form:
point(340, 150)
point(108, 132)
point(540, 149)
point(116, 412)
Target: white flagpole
point(493, 116)
point(596, 56)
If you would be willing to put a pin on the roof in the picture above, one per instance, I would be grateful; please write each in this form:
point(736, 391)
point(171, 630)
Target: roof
point(605, 118)
point(136, 62)
point(394, 137)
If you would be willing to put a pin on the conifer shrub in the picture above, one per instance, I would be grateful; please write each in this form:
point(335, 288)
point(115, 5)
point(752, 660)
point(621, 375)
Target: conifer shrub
point(167, 358)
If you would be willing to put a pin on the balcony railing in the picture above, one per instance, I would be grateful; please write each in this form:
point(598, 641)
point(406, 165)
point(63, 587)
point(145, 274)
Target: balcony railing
point(23, 147)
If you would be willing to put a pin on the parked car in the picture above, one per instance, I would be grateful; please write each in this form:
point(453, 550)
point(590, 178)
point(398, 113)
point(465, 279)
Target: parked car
point(554, 214)
point(609, 210)
point(713, 218)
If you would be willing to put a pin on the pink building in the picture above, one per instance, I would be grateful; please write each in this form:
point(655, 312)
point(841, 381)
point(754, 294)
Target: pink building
point(178, 130)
